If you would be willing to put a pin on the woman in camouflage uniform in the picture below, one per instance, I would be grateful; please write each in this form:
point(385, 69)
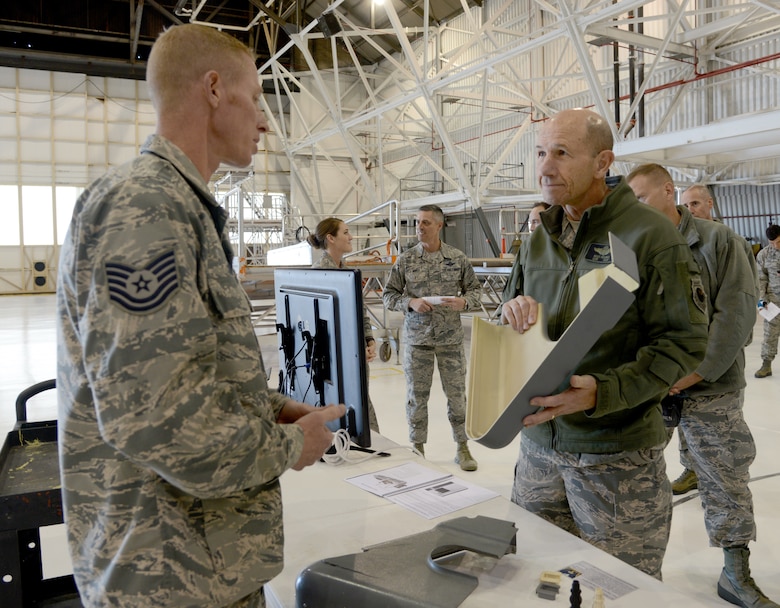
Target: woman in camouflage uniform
point(332, 237)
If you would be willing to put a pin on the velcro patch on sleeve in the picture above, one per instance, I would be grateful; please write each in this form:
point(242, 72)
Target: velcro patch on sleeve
point(143, 290)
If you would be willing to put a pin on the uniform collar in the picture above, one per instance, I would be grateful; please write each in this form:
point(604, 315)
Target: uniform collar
point(164, 148)
point(444, 250)
point(687, 226)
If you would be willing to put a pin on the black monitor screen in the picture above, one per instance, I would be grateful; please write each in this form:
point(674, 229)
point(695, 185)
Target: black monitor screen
point(322, 350)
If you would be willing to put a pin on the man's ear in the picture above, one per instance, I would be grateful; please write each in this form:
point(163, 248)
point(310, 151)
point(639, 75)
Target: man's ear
point(604, 160)
point(212, 86)
point(669, 189)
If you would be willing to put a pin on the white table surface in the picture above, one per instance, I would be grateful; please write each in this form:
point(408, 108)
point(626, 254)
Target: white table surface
point(325, 516)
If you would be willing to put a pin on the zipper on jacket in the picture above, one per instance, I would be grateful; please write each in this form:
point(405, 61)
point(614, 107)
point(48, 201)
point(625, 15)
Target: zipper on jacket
point(565, 294)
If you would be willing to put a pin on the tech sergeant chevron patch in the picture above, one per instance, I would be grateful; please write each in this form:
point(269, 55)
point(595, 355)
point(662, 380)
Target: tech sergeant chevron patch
point(143, 290)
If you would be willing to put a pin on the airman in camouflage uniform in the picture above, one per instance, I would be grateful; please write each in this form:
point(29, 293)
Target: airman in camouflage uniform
point(698, 200)
point(720, 447)
point(341, 242)
point(171, 445)
point(434, 330)
point(768, 261)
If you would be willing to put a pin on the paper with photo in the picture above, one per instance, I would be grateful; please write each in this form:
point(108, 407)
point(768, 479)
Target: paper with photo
point(402, 478)
point(422, 490)
point(769, 311)
point(443, 497)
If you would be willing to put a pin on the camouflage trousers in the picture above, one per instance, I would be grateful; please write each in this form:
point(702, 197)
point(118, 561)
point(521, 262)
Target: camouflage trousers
point(771, 336)
point(373, 423)
point(621, 502)
point(418, 368)
point(720, 449)
point(253, 600)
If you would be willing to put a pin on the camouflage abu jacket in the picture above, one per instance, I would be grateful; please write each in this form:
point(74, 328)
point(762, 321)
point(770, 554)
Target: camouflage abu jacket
point(415, 275)
point(768, 260)
point(170, 451)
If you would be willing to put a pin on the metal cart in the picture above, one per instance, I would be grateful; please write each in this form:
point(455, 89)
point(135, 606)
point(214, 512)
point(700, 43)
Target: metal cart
point(30, 498)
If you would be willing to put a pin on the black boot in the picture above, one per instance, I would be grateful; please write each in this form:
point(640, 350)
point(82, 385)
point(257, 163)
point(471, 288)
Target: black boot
point(736, 585)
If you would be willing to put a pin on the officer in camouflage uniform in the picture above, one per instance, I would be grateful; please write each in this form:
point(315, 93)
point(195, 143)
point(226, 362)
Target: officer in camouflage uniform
point(720, 447)
point(332, 237)
point(698, 200)
point(768, 261)
point(592, 459)
point(433, 329)
point(171, 445)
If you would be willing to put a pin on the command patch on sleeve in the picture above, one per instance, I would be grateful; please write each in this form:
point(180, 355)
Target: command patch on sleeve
point(143, 290)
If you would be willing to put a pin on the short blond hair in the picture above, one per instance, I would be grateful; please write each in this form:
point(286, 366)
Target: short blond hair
point(184, 53)
point(701, 189)
point(657, 173)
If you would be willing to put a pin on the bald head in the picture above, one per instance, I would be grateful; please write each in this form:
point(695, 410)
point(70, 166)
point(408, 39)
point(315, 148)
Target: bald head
point(573, 156)
point(182, 55)
point(698, 200)
point(594, 131)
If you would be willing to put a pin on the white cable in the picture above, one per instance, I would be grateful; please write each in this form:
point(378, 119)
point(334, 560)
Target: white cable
point(338, 442)
point(341, 441)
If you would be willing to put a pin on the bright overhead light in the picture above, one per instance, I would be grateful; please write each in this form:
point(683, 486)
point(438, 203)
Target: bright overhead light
point(379, 2)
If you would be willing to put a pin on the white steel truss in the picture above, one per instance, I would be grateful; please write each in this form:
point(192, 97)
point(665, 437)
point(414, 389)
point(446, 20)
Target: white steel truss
point(445, 117)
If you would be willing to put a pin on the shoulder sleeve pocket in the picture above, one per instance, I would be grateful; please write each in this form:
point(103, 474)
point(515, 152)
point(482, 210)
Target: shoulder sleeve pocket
point(697, 301)
point(227, 297)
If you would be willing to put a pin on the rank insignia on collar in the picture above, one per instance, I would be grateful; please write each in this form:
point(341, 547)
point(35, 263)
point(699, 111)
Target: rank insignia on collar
point(142, 290)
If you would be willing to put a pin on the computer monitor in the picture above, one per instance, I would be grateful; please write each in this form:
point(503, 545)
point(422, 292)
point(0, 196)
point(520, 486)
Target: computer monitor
point(322, 349)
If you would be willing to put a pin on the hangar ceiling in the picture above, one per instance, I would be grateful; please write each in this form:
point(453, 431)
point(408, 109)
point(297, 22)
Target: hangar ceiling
point(460, 85)
point(692, 84)
point(113, 37)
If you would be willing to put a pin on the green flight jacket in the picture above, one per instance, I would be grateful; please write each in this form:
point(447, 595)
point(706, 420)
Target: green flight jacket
point(661, 338)
point(728, 276)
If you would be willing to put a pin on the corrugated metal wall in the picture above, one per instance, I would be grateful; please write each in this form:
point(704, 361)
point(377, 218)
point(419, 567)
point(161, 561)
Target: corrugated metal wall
point(464, 231)
point(749, 85)
point(748, 210)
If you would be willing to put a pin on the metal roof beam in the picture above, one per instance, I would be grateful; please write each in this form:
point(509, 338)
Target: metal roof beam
point(601, 31)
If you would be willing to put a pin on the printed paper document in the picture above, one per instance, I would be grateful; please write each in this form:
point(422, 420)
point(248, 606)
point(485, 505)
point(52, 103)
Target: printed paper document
point(422, 490)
